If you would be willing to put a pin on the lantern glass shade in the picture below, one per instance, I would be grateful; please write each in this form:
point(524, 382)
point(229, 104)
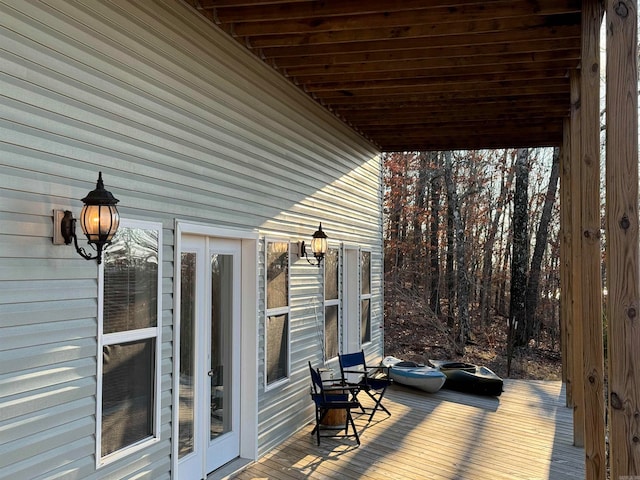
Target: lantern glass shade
point(99, 222)
point(319, 243)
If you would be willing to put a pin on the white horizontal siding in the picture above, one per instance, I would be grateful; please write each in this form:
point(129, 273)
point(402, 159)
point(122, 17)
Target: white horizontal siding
point(183, 123)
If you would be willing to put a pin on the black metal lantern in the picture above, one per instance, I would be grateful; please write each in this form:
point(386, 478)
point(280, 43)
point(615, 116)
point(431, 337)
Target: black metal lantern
point(99, 220)
point(318, 246)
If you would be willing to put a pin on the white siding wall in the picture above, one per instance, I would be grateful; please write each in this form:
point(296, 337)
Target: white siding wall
point(185, 124)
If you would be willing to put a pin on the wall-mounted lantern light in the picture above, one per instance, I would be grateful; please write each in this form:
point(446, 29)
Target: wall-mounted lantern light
point(99, 220)
point(318, 246)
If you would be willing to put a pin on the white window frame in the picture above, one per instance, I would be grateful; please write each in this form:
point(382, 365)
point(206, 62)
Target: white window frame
point(366, 296)
point(275, 312)
point(124, 337)
point(332, 302)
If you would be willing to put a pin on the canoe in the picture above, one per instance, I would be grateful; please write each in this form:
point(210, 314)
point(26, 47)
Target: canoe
point(469, 378)
point(412, 374)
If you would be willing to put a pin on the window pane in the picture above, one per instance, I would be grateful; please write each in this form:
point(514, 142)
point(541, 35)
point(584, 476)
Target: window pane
point(131, 281)
point(331, 274)
point(127, 393)
point(365, 320)
point(277, 274)
point(366, 273)
point(187, 354)
point(330, 332)
point(277, 348)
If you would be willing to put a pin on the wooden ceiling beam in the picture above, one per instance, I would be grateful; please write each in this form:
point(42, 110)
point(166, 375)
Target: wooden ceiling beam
point(488, 88)
point(441, 114)
point(571, 57)
point(315, 22)
point(458, 142)
point(462, 72)
point(416, 131)
point(503, 105)
point(532, 91)
point(561, 49)
point(336, 8)
point(430, 120)
point(453, 82)
point(564, 34)
point(424, 30)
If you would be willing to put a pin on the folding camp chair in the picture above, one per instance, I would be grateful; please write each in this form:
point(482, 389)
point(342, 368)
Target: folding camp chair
point(356, 373)
point(328, 398)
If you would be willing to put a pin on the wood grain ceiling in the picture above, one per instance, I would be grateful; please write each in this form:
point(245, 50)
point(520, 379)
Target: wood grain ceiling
point(421, 74)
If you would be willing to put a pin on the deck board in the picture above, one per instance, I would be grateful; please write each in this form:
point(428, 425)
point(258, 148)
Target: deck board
point(526, 434)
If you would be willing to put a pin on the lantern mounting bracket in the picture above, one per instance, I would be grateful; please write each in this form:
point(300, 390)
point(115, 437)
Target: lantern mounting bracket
point(68, 233)
point(318, 246)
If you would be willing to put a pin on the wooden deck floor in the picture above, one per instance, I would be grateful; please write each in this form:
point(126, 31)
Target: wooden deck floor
point(524, 434)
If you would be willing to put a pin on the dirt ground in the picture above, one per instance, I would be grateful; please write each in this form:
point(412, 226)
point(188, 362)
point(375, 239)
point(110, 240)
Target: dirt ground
point(411, 340)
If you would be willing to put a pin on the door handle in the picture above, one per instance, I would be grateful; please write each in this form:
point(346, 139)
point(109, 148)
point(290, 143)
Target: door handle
point(210, 373)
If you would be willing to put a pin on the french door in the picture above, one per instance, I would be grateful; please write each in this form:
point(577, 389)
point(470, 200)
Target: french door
point(209, 355)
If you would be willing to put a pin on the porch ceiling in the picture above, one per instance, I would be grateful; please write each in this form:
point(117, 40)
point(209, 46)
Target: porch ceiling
point(421, 74)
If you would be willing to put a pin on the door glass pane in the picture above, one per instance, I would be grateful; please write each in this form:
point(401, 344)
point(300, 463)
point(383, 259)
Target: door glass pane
point(365, 320)
point(221, 323)
point(187, 354)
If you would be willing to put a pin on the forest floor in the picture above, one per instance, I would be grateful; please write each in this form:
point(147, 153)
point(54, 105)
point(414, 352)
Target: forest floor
point(411, 338)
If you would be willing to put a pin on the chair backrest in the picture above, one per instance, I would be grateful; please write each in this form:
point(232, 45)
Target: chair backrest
point(349, 360)
point(353, 362)
point(316, 380)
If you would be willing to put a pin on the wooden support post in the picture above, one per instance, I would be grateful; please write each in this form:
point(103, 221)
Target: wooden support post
point(576, 266)
point(623, 306)
point(565, 261)
point(593, 354)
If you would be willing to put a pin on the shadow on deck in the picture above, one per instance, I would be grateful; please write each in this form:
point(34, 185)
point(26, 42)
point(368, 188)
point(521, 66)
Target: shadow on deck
point(524, 434)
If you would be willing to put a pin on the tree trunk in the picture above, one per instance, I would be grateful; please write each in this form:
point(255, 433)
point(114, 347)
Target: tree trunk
point(434, 247)
point(458, 230)
point(418, 250)
point(520, 255)
point(532, 292)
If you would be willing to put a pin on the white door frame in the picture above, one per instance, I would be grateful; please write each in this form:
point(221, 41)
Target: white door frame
point(248, 335)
